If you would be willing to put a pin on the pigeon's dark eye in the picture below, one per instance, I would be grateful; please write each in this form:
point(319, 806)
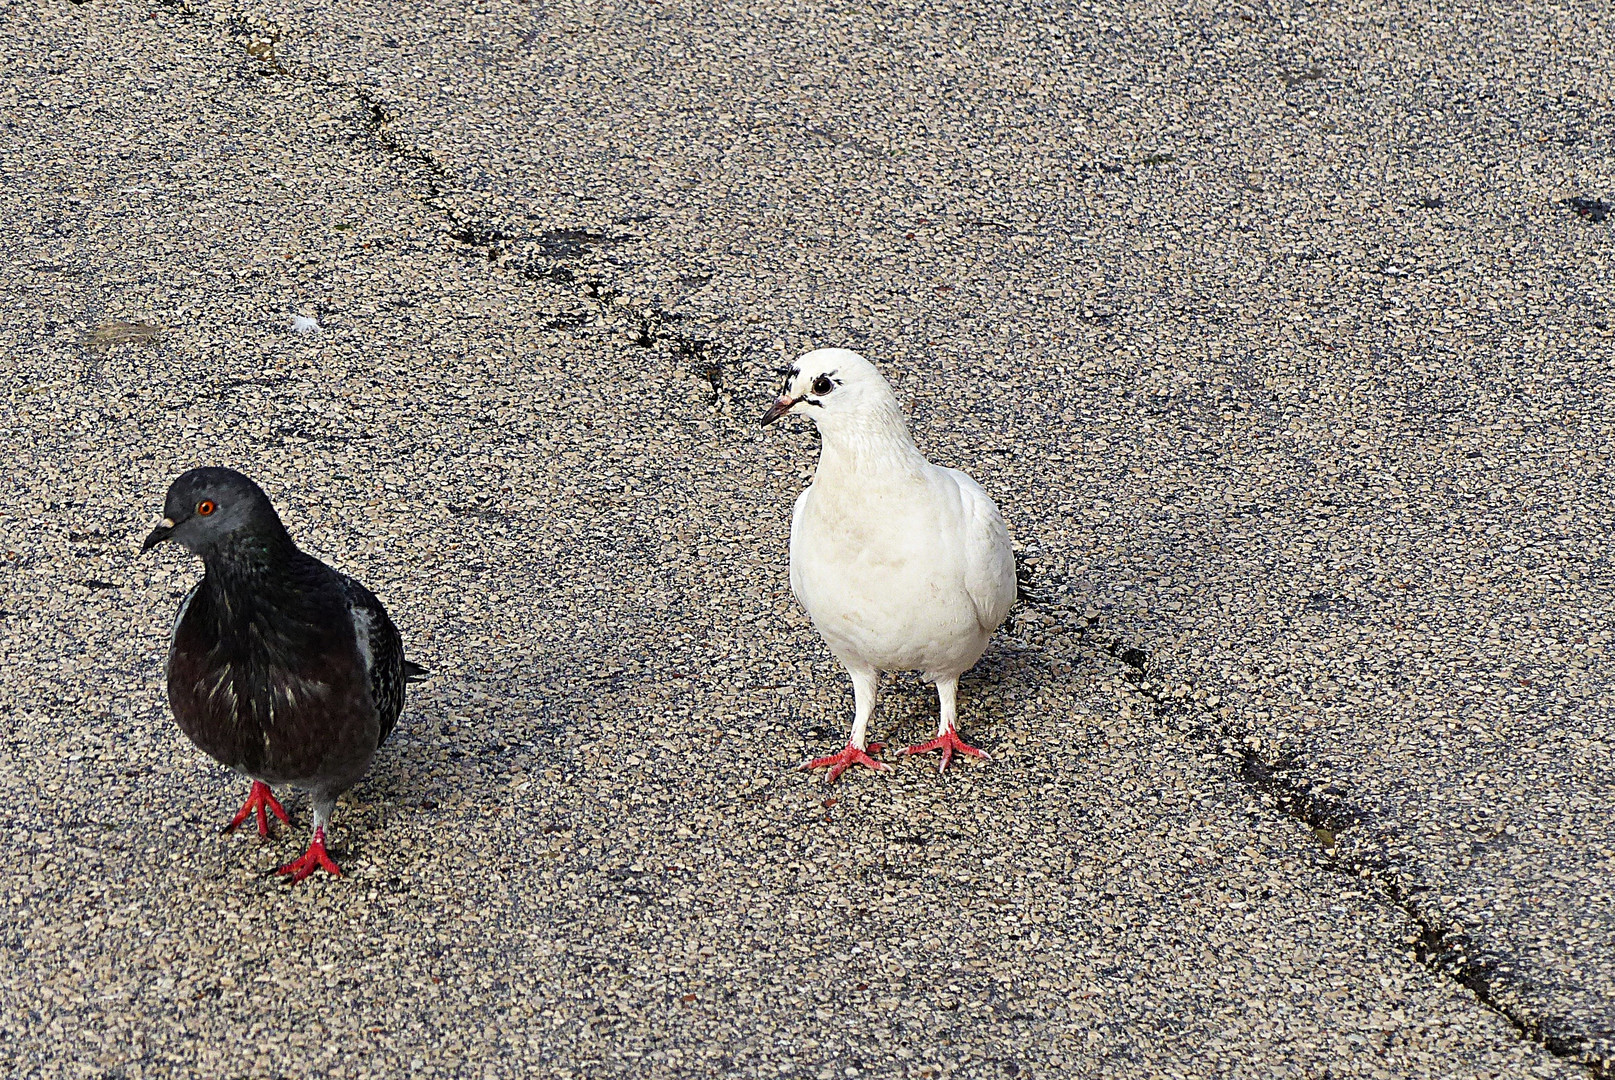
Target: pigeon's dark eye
point(205, 507)
point(821, 385)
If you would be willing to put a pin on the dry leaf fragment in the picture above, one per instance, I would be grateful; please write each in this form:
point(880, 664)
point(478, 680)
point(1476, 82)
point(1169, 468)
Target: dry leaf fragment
point(125, 333)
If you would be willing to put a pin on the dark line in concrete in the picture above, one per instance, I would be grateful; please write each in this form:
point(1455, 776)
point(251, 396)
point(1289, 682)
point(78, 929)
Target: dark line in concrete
point(555, 247)
point(1445, 951)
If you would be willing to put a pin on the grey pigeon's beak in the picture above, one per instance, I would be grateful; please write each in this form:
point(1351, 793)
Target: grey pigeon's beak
point(779, 409)
point(164, 529)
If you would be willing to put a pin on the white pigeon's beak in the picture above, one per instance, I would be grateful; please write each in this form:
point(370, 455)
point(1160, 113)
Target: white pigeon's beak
point(779, 409)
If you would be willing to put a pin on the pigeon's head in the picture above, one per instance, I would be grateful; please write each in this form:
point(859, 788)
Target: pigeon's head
point(829, 383)
point(207, 506)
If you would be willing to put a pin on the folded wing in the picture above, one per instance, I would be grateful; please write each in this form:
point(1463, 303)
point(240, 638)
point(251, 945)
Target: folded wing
point(989, 560)
point(383, 651)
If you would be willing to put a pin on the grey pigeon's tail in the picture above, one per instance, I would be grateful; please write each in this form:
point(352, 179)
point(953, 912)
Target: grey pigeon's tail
point(413, 672)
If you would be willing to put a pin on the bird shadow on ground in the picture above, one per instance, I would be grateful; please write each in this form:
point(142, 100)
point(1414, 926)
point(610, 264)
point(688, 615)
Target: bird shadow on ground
point(455, 745)
point(1052, 639)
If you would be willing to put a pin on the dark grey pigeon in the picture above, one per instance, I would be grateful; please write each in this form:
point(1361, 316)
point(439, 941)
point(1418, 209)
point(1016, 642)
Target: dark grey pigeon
point(279, 667)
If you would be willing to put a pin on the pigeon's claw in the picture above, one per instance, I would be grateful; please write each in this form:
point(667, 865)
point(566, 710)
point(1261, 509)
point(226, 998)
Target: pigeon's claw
point(840, 763)
point(949, 743)
point(315, 858)
point(259, 799)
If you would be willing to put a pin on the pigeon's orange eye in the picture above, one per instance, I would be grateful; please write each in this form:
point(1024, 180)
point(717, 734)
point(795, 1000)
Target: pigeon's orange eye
point(205, 507)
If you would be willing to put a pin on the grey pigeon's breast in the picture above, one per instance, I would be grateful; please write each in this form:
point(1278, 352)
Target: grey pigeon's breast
point(282, 697)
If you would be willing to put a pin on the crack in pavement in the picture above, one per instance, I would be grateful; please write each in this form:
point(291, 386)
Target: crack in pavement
point(1445, 949)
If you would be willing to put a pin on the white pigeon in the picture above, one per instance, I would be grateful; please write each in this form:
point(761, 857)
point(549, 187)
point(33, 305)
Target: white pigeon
point(901, 564)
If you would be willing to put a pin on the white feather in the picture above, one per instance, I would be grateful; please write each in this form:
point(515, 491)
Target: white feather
point(364, 623)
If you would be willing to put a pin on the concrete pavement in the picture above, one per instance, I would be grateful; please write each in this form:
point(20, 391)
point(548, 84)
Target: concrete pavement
point(1269, 329)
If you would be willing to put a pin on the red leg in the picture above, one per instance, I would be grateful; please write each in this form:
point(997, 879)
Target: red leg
point(949, 743)
point(840, 763)
point(315, 858)
point(259, 799)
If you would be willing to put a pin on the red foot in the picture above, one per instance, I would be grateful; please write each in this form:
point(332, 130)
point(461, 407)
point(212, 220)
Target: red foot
point(315, 858)
point(259, 798)
point(948, 743)
point(840, 763)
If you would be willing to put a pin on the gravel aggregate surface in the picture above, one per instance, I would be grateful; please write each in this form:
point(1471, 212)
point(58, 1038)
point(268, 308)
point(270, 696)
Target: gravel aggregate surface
point(1274, 332)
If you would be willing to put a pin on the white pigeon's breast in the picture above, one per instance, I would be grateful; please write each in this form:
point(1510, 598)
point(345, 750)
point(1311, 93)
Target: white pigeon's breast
point(883, 576)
